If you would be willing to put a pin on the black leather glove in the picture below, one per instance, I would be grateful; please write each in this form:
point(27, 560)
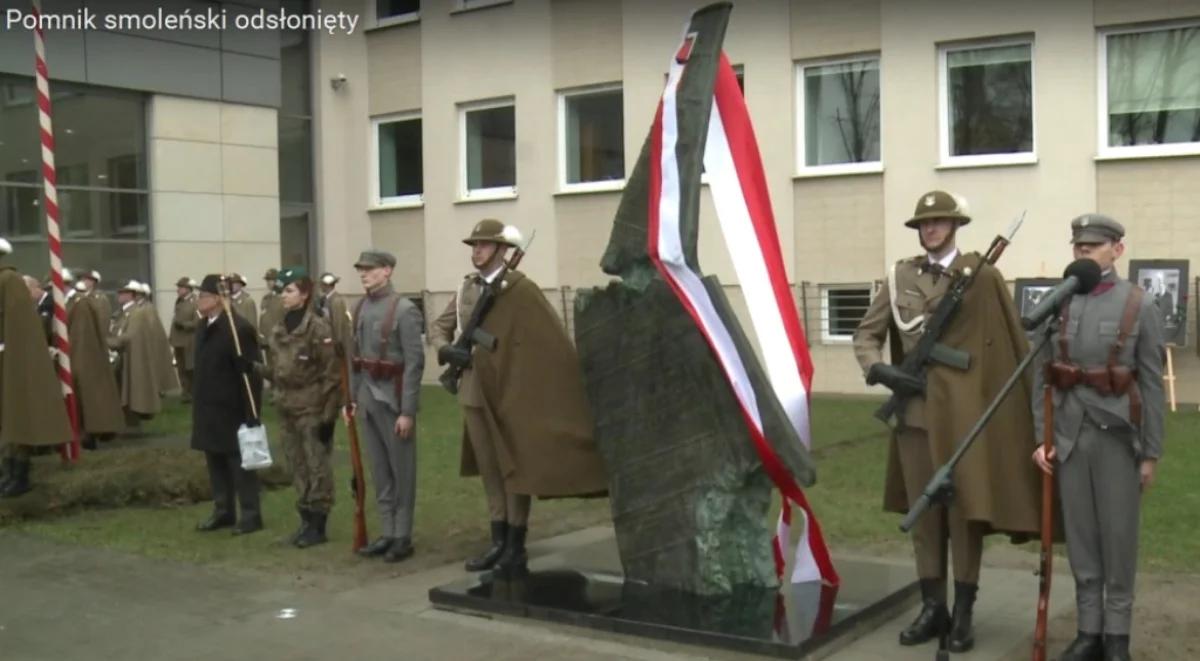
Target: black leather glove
point(325, 433)
point(896, 380)
point(454, 356)
point(243, 365)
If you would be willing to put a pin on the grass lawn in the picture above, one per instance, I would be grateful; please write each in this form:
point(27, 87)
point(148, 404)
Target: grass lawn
point(451, 516)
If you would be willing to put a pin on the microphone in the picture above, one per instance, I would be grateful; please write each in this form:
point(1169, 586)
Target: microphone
point(1080, 277)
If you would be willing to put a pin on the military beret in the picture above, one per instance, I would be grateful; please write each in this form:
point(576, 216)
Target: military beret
point(290, 275)
point(211, 284)
point(329, 278)
point(373, 259)
point(1096, 228)
point(185, 282)
point(939, 204)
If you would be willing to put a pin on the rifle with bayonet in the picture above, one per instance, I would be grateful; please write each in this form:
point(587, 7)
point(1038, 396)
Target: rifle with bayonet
point(910, 374)
point(458, 353)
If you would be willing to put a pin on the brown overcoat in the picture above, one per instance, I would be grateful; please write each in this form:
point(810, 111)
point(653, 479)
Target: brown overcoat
point(996, 483)
point(145, 359)
point(31, 397)
point(533, 389)
point(96, 392)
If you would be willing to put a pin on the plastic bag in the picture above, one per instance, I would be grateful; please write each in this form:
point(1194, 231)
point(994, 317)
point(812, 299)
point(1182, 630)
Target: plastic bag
point(256, 452)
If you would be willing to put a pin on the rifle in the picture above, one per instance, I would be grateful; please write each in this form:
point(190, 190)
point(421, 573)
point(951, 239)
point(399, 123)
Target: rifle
point(1047, 551)
point(473, 334)
point(358, 481)
point(928, 348)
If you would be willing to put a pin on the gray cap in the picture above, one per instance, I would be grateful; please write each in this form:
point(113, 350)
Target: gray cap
point(372, 259)
point(1096, 228)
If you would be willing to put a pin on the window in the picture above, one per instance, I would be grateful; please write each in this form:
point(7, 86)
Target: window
point(389, 12)
point(591, 139)
point(297, 214)
point(398, 179)
point(467, 5)
point(842, 308)
point(986, 104)
point(488, 156)
point(103, 195)
point(1150, 91)
point(839, 110)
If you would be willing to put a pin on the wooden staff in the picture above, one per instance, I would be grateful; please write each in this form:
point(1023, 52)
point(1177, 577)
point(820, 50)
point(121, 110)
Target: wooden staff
point(223, 287)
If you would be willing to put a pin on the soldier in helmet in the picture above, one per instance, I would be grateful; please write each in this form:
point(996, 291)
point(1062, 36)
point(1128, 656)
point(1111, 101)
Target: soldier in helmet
point(243, 302)
point(183, 334)
point(993, 492)
point(91, 282)
point(1106, 369)
point(385, 388)
point(305, 373)
point(333, 307)
point(32, 414)
point(527, 425)
point(270, 306)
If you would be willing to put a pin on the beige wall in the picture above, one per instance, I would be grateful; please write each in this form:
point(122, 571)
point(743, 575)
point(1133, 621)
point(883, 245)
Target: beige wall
point(1058, 187)
point(214, 199)
point(1158, 201)
point(834, 229)
point(341, 143)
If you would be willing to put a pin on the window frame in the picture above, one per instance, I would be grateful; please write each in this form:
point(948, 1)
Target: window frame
point(377, 200)
point(466, 194)
point(461, 6)
point(398, 19)
point(1103, 150)
point(945, 159)
point(802, 168)
point(586, 186)
point(827, 337)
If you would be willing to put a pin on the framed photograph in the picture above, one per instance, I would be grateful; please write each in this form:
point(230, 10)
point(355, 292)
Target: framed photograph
point(1165, 282)
point(1028, 292)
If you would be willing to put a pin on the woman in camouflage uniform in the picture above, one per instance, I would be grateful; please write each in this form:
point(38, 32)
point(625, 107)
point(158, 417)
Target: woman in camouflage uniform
point(305, 376)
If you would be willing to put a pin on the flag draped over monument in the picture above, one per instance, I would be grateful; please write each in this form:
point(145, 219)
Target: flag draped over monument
point(737, 183)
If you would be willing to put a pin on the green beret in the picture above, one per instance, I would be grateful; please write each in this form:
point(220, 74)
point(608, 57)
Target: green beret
point(290, 275)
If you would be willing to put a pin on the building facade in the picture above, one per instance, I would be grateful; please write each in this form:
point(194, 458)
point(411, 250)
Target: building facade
point(433, 115)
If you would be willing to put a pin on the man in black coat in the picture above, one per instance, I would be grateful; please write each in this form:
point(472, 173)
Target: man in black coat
point(220, 406)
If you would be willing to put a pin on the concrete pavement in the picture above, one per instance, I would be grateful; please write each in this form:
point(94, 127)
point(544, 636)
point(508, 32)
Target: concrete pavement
point(66, 602)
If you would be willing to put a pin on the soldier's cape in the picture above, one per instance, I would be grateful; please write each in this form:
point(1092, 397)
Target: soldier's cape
point(702, 119)
point(996, 484)
point(535, 399)
point(146, 365)
point(31, 398)
point(96, 392)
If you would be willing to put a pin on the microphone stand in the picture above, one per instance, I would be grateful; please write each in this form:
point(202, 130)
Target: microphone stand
point(940, 489)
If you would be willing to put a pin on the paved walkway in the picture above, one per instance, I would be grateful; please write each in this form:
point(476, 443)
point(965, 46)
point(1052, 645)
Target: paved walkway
point(65, 602)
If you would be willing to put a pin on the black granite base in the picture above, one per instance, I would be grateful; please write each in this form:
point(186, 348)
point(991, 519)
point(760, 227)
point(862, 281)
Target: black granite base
point(795, 621)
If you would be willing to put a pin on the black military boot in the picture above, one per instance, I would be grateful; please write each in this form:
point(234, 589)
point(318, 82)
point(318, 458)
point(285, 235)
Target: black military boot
point(1116, 648)
point(962, 635)
point(305, 522)
point(248, 525)
point(314, 533)
point(400, 550)
point(934, 619)
point(377, 547)
point(18, 484)
point(1085, 647)
point(489, 557)
point(512, 560)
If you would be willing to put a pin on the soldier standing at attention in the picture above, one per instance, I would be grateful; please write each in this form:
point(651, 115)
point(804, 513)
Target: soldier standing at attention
point(243, 302)
point(305, 373)
point(385, 388)
point(271, 306)
point(32, 413)
point(994, 491)
point(183, 334)
point(1107, 372)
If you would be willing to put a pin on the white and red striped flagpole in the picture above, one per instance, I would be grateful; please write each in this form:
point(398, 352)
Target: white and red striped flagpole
point(70, 450)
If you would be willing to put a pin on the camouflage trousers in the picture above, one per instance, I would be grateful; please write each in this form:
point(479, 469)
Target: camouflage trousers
point(309, 460)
